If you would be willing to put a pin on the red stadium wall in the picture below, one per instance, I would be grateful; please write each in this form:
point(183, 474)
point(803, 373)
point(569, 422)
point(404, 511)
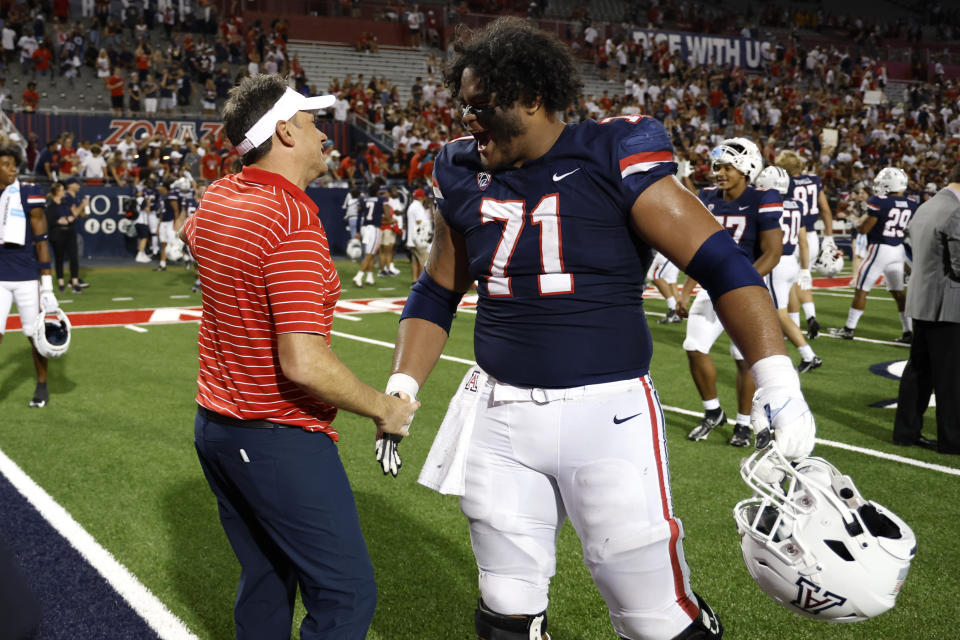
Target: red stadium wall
point(347, 30)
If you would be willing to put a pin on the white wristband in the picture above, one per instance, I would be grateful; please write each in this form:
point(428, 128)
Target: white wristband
point(775, 371)
point(46, 283)
point(402, 382)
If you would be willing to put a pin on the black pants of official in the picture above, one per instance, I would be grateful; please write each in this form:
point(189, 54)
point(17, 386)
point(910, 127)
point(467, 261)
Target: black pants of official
point(288, 511)
point(934, 366)
point(64, 242)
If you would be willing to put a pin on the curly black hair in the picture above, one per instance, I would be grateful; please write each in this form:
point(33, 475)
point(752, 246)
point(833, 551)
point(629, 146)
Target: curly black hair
point(516, 61)
point(13, 152)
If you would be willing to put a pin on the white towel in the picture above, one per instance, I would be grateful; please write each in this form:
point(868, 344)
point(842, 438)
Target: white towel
point(445, 468)
point(13, 220)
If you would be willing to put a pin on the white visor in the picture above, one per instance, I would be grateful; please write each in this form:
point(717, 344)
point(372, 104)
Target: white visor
point(283, 109)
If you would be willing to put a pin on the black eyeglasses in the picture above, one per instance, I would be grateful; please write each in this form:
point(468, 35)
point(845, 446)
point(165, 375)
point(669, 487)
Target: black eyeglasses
point(479, 111)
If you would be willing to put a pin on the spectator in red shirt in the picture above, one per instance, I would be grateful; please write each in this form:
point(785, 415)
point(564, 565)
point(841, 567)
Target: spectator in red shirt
point(115, 85)
point(31, 99)
point(42, 57)
point(276, 289)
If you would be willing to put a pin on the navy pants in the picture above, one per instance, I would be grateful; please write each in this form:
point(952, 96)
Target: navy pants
point(288, 511)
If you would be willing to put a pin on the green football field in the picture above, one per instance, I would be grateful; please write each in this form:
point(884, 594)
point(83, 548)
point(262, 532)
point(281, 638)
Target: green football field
point(115, 449)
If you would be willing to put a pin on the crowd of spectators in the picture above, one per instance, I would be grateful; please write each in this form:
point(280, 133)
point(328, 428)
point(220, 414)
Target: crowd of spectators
point(816, 101)
point(154, 58)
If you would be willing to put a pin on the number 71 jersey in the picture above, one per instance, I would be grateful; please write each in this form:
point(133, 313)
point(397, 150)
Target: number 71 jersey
point(560, 273)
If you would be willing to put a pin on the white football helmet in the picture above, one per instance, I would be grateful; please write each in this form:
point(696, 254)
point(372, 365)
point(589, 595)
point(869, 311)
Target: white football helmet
point(890, 180)
point(51, 337)
point(813, 544)
point(742, 153)
point(175, 250)
point(422, 235)
point(773, 177)
point(354, 249)
point(829, 262)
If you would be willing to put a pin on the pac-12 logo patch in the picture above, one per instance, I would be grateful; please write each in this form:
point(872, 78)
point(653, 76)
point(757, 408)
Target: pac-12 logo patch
point(483, 180)
point(812, 600)
point(472, 382)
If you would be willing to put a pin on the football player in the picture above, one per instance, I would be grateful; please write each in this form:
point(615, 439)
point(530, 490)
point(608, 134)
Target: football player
point(663, 274)
point(807, 190)
point(888, 212)
point(752, 218)
point(794, 267)
point(24, 259)
point(372, 210)
point(564, 419)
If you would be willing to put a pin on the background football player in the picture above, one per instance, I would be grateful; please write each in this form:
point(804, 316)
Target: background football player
point(888, 213)
point(793, 268)
point(24, 259)
point(807, 190)
point(752, 218)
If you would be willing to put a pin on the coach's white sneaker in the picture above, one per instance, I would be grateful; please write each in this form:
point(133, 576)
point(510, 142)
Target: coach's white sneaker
point(358, 280)
point(370, 277)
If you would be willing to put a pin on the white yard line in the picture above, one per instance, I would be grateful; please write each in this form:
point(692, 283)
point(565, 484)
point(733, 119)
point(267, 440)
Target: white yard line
point(687, 412)
point(154, 612)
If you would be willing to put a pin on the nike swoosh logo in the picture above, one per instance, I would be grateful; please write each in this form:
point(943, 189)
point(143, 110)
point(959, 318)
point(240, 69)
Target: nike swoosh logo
point(617, 420)
point(742, 208)
point(557, 178)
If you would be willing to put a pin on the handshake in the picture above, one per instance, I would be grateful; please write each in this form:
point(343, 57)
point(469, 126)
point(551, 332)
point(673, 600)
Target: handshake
point(395, 426)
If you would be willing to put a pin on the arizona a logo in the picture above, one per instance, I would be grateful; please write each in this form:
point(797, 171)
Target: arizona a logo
point(811, 600)
point(483, 180)
point(472, 382)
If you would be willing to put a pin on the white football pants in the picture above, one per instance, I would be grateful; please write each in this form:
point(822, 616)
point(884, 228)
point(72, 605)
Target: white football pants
point(662, 268)
point(882, 259)
point(704, 327)
point(26, 294)
point(784, 275)
point(598, 455)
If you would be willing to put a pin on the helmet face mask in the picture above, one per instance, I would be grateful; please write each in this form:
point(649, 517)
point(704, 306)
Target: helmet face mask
point(51, 338)
point(741, 153)
point(815, 545)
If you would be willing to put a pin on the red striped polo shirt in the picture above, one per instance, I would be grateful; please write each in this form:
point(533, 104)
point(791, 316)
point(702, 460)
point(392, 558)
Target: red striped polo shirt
point(265, 269)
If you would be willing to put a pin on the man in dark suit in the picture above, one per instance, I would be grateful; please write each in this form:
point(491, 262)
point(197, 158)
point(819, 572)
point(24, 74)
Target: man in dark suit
point(933, 301)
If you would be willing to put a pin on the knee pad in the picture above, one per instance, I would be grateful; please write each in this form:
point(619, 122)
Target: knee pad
point(514, 594)
point(493, 626)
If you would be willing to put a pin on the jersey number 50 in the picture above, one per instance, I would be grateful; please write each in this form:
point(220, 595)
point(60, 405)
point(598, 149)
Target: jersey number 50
point(552, 279)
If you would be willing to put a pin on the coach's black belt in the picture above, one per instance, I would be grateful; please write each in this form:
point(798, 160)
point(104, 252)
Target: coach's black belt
point(213, 416)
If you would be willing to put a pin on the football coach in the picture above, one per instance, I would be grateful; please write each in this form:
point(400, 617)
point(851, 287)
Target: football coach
point(269, 383)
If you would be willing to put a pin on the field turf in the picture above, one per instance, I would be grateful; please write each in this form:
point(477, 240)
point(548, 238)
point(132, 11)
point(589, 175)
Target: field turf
point(114, 448)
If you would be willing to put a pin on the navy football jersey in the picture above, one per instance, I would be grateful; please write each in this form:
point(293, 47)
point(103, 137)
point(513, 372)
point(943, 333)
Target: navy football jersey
point(790, 223)
point(188, 203)
point(806, 191)
point(755, 211)
point(372, 209)
point(167, 205)
point(560, 274)
point(892, 214)
point(18, 263)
